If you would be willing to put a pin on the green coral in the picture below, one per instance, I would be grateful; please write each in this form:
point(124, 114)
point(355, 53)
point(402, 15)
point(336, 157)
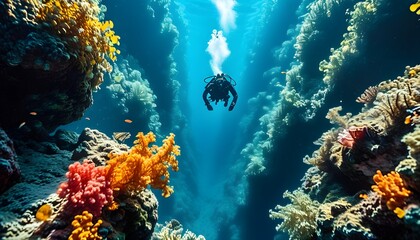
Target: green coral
point(299, 217)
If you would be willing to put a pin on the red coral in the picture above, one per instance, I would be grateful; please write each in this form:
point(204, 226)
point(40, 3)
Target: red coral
point(87, 188)
point(345, 139)
point(349, 136)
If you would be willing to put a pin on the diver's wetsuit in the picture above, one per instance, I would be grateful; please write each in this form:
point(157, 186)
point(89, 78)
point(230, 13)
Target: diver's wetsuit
point(219, 89)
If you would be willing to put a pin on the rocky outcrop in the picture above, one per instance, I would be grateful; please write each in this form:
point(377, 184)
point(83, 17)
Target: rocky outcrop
point(95, 146)
point(42, 84)
point(9, 168)
point(44, 164)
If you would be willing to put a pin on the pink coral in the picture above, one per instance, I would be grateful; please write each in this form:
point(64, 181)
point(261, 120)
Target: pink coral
point(87, 188)
point(349, 136)
point(345, 139)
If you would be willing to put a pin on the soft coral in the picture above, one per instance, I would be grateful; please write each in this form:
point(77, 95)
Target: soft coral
point(77, 23)
point(392, 190)
point(87, 188)
point(144, 165)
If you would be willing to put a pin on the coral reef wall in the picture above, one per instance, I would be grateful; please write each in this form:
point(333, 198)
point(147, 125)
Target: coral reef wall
point(364, 177)
point(126, 214)
point(46, 71)
point(145, 84)
point(151, 37)
point(368, 45)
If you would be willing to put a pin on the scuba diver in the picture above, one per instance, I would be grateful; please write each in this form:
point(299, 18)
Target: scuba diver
point(218, 88)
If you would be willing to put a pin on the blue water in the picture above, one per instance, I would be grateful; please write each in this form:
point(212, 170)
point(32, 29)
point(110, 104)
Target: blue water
point(211, 196)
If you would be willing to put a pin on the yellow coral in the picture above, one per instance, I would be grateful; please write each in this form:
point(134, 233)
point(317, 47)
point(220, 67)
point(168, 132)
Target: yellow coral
point(143, 165)
point(84, 229)
point(392, 190)
point(112, 39)
point(412, 72)
point(415, 7)
point(400, 212)
point(87, 38)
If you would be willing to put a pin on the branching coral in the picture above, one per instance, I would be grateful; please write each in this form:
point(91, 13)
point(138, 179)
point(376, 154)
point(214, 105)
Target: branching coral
point(392, 189)
point(361, 17)
point(368, 96)
point(133, 94)
point(386, 141)
point(299, 217)
point(335, 118)
point(389, 108)
point(87, 39)
point(321, 156)
point(87, 187)
point(84, 229)
point(144, 165)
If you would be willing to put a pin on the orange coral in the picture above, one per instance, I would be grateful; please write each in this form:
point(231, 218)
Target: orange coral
point(392, 190)
point(144, 165)
point(363, 196)
point(84, 227)
point(88, 39)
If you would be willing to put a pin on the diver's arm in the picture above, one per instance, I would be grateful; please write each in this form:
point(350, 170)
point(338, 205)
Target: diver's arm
point(231, 80)
point(206, 101)
point(235, 97)
point(211, 81)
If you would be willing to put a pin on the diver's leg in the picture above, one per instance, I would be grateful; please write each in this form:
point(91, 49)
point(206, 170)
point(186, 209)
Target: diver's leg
point(226, 99)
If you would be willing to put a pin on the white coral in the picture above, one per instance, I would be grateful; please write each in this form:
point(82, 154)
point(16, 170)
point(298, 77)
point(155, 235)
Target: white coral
point(299, 217)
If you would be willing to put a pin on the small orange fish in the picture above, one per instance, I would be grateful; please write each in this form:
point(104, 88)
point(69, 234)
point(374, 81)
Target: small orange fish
point(21, 125)
point(414, 115)
point(44, 212)
point(407, 120)
point(128, 120)
point(87, 118)
point(33, 113)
